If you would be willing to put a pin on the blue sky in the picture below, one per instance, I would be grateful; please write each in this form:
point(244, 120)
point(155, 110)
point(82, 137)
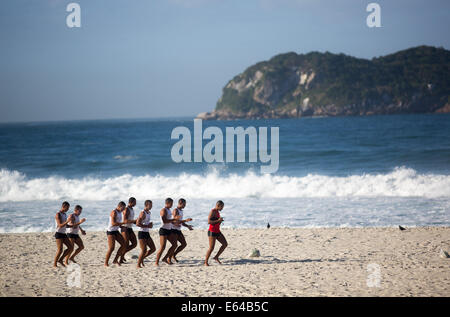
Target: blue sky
point(164, 58)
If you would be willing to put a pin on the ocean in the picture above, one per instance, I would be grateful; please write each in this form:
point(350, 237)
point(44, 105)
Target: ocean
point(333, 172)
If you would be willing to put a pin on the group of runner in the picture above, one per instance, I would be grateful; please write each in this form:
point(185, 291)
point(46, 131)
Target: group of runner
point(120, 229)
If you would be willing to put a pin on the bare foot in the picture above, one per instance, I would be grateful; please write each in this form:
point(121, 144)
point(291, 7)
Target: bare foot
point(156, 264)
point(206, 264)
point(217, 260)
point(173, 257)
point(73, 260)
point(118, 263)
point(61, 262)
point(106, 264)
point(167, 261)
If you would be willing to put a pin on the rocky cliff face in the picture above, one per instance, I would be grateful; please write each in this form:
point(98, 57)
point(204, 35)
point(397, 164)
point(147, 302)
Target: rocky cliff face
point(289, 85)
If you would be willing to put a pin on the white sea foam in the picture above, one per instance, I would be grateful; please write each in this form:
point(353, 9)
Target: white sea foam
point(124, 157)
point(401, 182)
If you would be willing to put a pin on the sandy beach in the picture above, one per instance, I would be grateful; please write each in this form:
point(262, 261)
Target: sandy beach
point(292, 262)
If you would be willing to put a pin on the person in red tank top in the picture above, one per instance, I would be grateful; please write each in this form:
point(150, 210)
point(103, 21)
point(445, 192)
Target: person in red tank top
point(214, 221)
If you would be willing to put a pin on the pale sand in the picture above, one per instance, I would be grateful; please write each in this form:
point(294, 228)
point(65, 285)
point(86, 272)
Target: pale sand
point(293, 262)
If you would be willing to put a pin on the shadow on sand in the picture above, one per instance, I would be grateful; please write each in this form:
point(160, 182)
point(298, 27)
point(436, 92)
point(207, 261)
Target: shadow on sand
point(272, 260)
point(261, 260)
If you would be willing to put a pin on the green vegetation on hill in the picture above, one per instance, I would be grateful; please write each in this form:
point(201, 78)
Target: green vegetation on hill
point(294, 85)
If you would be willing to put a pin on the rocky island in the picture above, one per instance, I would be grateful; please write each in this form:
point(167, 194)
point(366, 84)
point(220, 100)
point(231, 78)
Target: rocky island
point(291, 85)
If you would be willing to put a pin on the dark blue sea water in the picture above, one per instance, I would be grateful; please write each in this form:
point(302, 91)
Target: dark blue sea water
point(345, 171)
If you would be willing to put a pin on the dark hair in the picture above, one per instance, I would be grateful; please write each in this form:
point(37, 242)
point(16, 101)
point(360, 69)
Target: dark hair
point(131, 200)
point(181, 201)
point(78, 207)
point(121, 204)
point(219, 203)
point(169, 200)
point(65, 204)
point(148, 202)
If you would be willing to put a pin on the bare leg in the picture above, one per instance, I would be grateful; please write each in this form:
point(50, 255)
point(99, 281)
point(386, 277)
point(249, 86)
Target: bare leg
point(66, 253)
point(151, 246)
point(143, 246)
point(173, 240)
point(121, 250)
point(162, 246)
point(126, 238)
point(133, 241)
point(183, 245)
point(223, 241)
point(59, 250)
point(212, 243)
point(111, 244)
point(80, 246)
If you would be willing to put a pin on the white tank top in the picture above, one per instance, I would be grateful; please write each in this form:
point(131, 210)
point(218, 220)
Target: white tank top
point(180, 213)
point(146, 221)
point(71, 229)
point(62, 218)
point(117, 218)
point(130, 217)
point(168, 216)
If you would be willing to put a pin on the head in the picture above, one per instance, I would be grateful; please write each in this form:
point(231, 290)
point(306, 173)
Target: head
point(148, 204)
point(65, 206)
point(132, 202)
point(169, 202)
point(181, 203)
point(121, 206)
point(219, 205)
point(77, 210)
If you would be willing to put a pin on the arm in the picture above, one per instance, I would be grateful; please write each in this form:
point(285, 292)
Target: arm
point(60, 224)
point(187, 226)
point(74, 225)
point(162, 213)
point(176, 218)
point(125, 217)
point(215, 221)
point(113, 219)
point(69, 220)
point(140, 219)
point(164, 219)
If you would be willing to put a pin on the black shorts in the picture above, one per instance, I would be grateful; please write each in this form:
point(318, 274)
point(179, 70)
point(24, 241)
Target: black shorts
point(164, 232)
point(126, 229)
point(59, 235)
point(214, 234)
point(112, 233)
point(73, 235)
point(143, 235)
point(177, 232)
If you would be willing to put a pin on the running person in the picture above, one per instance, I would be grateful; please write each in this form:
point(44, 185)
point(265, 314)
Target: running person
point(113, 234)
point(144, 224)
point(60, 235)
point(127, 228)
point(214, 221)
point(176, 227)
point(165, 233)
point(73, 232)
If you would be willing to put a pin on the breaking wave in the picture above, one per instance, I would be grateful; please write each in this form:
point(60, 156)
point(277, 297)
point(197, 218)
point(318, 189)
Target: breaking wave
point(401, 182)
